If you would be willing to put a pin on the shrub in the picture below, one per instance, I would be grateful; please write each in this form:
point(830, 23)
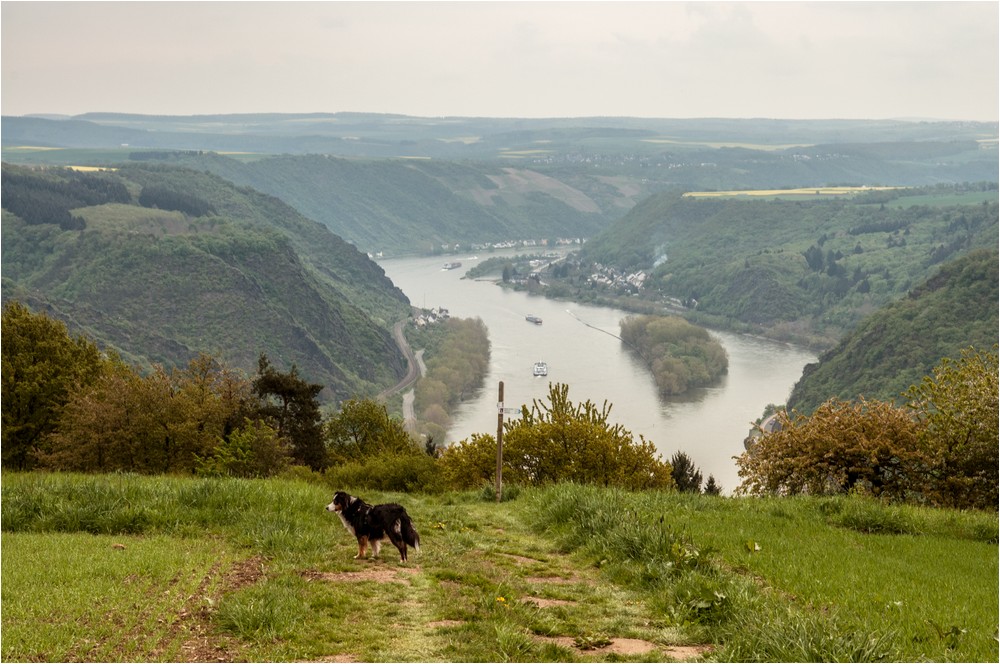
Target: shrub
point(940, 450)
point(867, 447)
point(958, 406)
point(388, 472)
point(254, 450)
point(556, 442)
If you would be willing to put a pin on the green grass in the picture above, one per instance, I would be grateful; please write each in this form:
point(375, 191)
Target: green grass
point(128, 568)
point(81, 597)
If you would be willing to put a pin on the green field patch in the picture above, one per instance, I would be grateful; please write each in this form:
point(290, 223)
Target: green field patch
point(564, 573)
point(943, 200)
point(80, 597)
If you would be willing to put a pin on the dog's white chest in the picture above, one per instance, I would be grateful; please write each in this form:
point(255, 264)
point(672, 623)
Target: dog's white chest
point(347, 524)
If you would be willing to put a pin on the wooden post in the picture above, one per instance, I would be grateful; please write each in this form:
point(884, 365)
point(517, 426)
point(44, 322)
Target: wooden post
point(499, 480)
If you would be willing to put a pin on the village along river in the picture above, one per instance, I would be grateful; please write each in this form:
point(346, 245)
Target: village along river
point(708, 424)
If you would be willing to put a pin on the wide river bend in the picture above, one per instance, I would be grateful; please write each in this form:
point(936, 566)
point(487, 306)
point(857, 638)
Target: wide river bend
point(709, 424)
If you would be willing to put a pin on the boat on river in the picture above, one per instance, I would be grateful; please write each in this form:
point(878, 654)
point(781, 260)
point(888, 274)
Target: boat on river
point(533, 319)
point(451, 266)
point(540, 369)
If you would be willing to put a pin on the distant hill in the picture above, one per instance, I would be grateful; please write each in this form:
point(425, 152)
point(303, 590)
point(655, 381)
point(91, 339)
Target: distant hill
point(408, 206)
point(898, 345)
point(162, 263)
point(796, 269)
point(398, 183)
point(477, 138)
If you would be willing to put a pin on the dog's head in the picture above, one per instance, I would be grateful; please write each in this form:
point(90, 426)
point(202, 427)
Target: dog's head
point(340, 502)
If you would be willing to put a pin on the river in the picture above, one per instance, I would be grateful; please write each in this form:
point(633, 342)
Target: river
point(709, 424)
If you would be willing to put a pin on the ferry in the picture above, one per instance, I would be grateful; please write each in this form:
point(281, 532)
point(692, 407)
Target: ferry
point(540, 369)
point(451, 266)
point(533, 319)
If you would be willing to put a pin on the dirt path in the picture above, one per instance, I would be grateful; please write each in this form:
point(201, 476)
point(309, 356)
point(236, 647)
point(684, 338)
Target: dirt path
point(488, 587)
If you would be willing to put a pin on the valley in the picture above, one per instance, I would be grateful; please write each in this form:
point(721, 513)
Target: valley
point(717, 221)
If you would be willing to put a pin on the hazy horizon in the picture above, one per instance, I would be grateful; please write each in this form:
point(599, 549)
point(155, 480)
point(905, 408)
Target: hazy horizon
point(787, 60)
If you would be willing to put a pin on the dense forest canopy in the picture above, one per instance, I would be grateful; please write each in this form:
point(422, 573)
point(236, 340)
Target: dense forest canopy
point(234, 273)
point(802, 267)
point(898, 345)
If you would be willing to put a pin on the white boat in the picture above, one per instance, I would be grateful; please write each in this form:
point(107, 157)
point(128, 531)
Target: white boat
point(540, 369)
point(451, 266)
point(533, 319)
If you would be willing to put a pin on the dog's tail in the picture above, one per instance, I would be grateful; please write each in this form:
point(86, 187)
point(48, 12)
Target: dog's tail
point(409, 533)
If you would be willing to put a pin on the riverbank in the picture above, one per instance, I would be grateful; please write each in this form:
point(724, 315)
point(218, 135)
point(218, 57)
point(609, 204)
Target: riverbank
point(580, 346)
point(795, 333)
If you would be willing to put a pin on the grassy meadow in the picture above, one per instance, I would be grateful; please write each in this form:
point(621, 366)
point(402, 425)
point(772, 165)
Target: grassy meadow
point(130, 568)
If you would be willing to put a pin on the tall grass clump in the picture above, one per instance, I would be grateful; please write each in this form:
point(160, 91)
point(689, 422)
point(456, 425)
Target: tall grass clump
point(868, 515)
point(264, 612)
point(388, 472)
point(769, 633)
point(613, 526)
point(845, 578)
point(268, 515)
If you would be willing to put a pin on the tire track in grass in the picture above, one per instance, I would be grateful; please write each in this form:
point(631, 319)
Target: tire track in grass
point(192, 629)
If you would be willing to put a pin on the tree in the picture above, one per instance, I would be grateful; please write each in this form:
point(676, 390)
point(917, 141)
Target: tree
point(42, 368)
point(363, 429)
point(711, 488)
point(123, 422)
point(687, 477)
point(290, 404)
point(254, 450)
point(958, 406)
point(941, 449)
point(867, 446)
point(560, 441)
point(814, 258)
point(157, 423)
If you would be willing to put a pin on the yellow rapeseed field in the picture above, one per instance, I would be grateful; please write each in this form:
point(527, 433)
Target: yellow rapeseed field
point(803, 191)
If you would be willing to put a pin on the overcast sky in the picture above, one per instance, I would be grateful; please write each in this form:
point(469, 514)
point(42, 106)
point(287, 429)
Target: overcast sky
point(505, 59)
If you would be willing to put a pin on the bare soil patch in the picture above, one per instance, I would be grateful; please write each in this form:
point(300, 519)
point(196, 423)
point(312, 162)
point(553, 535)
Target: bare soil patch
point(377, 574)
point(552, 579)
point(445, 623)
point(631, 647)
point(543, 603)
point(192, 624)
point(523, 560)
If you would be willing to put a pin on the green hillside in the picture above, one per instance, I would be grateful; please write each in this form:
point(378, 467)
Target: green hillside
point(897, 346)
point(407, 206)
point(400, 184)
point(165, 263)
point(808, 269)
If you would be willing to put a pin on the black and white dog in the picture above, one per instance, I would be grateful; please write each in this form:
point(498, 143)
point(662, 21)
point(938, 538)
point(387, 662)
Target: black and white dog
point(374, 523)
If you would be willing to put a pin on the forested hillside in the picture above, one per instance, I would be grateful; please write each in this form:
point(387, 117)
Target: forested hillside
point(796, 269)
point(411, 206)
point(164, 263)
point(897, 346)
point(400, 184)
